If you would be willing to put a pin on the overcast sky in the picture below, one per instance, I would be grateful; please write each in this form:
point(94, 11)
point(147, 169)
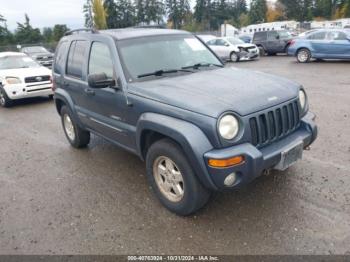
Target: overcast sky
point(45, 13)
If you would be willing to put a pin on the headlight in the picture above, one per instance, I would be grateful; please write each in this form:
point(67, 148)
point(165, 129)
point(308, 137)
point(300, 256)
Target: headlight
point(13, 80)
point(228, 127)
point(302, 99)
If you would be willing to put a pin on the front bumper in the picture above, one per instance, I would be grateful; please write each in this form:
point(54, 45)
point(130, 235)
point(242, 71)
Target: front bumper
point(244, 55)
point(258, 160)
point(20, 91)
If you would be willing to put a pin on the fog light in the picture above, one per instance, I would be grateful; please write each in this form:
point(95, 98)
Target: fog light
point(230, 179)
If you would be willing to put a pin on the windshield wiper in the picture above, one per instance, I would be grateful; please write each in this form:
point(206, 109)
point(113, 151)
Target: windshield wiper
point(162, 72)
point(197, 66)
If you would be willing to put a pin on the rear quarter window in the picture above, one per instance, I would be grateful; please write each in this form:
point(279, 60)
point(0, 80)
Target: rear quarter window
point(60, 56)
point(76, 58)
point(260, 36)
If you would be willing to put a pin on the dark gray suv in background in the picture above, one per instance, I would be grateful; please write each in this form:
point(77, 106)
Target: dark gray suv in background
point(272, 42)
point(164, 96)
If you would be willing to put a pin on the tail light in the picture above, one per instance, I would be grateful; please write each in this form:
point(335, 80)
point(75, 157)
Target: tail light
point(53, 84)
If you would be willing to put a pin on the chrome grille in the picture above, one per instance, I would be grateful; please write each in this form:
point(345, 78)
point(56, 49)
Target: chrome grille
point(35, 79)
point(273, 125)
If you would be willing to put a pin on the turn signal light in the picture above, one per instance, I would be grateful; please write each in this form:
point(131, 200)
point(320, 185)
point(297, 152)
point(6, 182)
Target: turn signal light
point(222, 163)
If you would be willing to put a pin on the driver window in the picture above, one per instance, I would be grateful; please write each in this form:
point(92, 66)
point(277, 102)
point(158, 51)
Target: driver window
point(100, 60)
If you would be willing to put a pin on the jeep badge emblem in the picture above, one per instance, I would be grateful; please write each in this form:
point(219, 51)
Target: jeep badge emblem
point(39, 79)
point(273, 98)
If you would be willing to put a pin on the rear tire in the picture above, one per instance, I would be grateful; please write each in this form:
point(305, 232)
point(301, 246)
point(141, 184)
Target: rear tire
point(5, 101)
point(303, 55)
point(173, 180)
point(76, 136)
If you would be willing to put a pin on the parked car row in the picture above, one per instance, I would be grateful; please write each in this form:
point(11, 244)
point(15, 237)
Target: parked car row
point(22, 77)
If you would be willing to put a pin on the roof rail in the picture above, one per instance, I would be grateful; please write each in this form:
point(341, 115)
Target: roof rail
point(92, 30)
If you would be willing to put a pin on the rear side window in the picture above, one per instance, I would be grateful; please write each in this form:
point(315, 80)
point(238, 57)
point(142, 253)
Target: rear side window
point(260, 36)
point(60, 57)
point(317, 36)
point(76, 58)
point(100, 60)
point(273, 35)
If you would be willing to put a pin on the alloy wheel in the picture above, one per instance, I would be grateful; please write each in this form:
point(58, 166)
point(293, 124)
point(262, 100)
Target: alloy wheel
point(69, 127)
point(168, 179)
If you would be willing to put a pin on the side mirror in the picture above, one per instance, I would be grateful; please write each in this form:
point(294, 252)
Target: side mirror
point(100, 80)
point(226, 44)
point(277, 37)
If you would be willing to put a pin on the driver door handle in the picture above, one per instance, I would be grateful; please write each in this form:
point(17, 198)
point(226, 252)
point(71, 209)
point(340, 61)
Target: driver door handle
point(89, 91)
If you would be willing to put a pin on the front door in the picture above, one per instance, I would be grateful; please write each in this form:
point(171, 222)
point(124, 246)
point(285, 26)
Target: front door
point(107, 107)
point(339, 44)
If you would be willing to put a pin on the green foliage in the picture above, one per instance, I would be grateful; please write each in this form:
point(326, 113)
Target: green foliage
point(26, 34)
point(120, 13)
point(88, 17)
point(257, 13)
point(59, 31)
point(178, 11)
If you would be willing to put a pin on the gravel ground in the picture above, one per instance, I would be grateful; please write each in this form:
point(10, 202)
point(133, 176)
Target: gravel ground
point(58, 200)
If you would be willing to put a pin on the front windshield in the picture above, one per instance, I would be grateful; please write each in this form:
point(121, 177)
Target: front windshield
point(35, 49)
point(284, 35)
point(235, 41)
point(15, 62)
point(146, 55)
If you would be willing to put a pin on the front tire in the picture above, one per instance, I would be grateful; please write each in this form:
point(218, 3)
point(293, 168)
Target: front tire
point(234, 57)
point(303, 55)
point(5, 101)
point(262, 51)
point(173, 180)
point(76, 136)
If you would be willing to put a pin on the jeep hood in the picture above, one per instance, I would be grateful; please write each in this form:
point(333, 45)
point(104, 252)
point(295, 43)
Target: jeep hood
point(213, 92)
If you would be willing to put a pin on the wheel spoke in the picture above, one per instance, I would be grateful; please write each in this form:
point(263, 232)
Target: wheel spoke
point(178, 189)
point(177, 177)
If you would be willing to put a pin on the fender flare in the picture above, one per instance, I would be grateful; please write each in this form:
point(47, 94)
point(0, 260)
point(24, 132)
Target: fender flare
point(63, 96)
point(190, 137)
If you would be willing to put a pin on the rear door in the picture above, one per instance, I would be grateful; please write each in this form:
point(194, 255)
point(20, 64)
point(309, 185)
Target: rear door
point(319, 44)
point(75, 73)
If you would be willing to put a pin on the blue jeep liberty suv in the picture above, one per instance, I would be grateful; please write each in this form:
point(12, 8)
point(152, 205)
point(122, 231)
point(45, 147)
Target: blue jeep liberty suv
point(166, 97)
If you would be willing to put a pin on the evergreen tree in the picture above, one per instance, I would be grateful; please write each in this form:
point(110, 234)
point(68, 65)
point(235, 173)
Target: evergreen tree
point(58, 32)
point(177, 11)
point(26, 34)
point(47, 34)
point(257, 12)
point(87, 10)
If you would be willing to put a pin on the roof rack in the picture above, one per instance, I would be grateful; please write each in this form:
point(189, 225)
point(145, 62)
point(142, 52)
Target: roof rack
point(92, 30)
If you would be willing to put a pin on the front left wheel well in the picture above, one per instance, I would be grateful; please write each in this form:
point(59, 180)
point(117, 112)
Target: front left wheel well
point(149, 137)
